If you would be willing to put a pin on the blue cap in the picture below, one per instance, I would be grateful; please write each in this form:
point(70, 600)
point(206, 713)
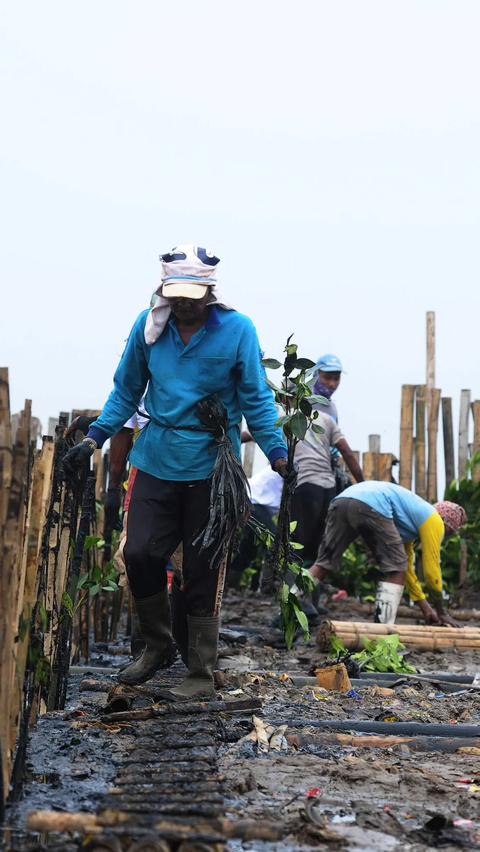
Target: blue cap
point(329, 364)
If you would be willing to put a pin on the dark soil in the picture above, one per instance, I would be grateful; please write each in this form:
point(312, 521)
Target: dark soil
point(366, 799)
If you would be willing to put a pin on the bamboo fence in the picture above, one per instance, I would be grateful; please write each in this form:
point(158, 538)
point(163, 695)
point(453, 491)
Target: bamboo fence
point(417, 637)
point(43, 526)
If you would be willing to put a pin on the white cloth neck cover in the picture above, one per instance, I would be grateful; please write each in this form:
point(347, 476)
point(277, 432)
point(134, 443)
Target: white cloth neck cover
point(160, 313)
point(387, 601)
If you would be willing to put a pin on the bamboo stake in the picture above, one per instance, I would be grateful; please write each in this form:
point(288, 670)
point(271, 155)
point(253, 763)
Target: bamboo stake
point(385, 464)
point(5, 444)
point(387, 629)
point(406, 436)
point(448, 440)
point(476, 437)
point(420, 473)
point(463, 433)
point(430, 354)
point(10, 559)
point(248, 457)
point(432, 445)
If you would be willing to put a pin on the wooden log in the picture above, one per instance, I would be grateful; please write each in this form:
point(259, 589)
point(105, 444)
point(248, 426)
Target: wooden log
point(432, 445)
point(476, 437)
point(370, 461)
point(406, 436)
point(420, 469)
point(463, 433)
point(245, 829)
point(448, 449)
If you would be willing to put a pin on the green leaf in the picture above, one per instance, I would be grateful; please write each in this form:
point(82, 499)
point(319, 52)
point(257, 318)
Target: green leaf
point(290, 631)
point(298, 425)
point(285, 592)
point(280, 421)
point(306, 407)
point(113, 586)
point(296, 545)
point(94, 589)
point(305, 363)
point(82, 580)
point(293, 526)
point(301, 617)
point(270, 363)
point(291, 349)
point(97, 574)
point(320, 400)
point(316, 428)
point(91, 541)
point(337, 645)
point(274, 387)
point(67, 603)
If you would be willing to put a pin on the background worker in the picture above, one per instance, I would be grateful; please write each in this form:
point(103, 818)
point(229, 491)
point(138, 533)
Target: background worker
point(390, 519)
point(190, 345)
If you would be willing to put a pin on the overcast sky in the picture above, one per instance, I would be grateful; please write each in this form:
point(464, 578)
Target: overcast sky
point(327, 152)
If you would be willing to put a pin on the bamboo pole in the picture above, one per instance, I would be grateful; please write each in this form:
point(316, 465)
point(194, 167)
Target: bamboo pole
point(449, 451)
point(420, 471)
point(5, 444)
point(463, 433)
point(406, 436)
point(418, 637)
point(432, 445)
point(430, 354)
point(385, 464)
point(476, 437)
point(10, 561)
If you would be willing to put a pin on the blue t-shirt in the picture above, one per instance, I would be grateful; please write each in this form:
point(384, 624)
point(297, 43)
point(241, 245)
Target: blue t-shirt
point(407, 510)
point(222, 357)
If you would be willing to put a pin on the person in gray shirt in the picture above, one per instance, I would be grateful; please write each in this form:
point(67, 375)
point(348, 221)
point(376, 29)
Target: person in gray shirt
point(316, 481)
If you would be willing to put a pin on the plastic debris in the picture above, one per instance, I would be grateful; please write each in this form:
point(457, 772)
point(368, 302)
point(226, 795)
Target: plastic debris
point(352, 694)
point(314, 791)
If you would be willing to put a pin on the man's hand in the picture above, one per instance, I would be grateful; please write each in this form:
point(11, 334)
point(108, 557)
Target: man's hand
point(429, 613)
point(445, 618)
point(290, 476)
point(80, 424)
point(112, 509)
point(75, 459)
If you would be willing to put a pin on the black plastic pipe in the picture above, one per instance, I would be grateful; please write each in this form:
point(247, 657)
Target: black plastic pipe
point(397, 729)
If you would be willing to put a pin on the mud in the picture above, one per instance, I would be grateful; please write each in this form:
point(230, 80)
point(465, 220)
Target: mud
point(361, 798)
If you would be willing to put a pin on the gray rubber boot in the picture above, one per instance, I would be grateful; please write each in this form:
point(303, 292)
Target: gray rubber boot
point(202, 656)
point(156, 629)
point(179, 619)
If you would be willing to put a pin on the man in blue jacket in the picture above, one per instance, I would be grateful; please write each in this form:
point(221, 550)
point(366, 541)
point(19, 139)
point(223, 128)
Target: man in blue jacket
point(190, 345)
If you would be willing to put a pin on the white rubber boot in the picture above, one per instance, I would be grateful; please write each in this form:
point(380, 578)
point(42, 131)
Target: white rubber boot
point(387, 601)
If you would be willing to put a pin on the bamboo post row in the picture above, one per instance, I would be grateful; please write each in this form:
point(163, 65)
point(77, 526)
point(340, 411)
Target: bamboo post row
point(38, 524)
point(417, 637)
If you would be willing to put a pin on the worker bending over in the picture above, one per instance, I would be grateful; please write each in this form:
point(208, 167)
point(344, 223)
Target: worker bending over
point(390, 519)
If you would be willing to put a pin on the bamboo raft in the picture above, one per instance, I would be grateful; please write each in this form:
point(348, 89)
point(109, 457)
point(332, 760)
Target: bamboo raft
point(415, 636)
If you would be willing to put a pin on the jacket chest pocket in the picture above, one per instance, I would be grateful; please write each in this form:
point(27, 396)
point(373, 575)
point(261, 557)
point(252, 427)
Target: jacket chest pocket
point(213, 372)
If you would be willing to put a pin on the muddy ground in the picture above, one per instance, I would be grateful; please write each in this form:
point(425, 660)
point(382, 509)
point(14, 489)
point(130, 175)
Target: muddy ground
point(361, 798)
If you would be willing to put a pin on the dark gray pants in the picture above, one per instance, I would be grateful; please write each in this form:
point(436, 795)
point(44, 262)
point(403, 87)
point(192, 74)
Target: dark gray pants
point(349, 518)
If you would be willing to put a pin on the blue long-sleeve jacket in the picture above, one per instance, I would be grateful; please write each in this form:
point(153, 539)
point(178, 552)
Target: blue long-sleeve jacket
point(222, 357)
